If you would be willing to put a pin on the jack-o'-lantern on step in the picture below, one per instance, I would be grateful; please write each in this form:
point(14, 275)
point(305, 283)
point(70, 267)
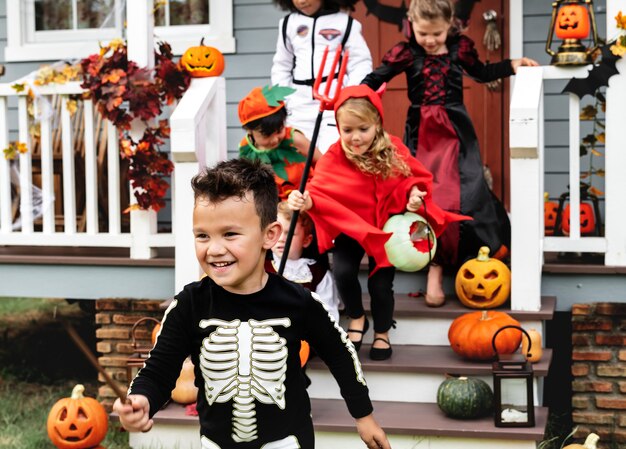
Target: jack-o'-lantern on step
point(550, 211)
point(202, 61)
point(483, 282)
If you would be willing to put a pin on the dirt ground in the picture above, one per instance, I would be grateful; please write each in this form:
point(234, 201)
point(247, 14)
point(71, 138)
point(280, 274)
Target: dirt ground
point(36, 347)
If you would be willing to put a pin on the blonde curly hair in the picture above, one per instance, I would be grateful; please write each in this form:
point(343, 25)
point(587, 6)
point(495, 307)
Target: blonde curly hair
point(381, 158)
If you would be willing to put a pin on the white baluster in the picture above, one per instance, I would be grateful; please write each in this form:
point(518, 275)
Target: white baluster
point(91, 170)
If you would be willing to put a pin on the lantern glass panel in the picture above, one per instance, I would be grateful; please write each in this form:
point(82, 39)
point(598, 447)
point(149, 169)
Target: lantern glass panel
point(513, 400)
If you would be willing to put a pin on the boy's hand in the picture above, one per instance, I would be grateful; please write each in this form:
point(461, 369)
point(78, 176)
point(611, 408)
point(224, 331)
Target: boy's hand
point(516, 63)
point(371, 433)
point(134, 417)
point(299, 201)
point(415, 199)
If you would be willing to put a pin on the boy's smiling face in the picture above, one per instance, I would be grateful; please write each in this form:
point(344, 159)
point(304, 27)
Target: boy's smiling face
point(230, 244)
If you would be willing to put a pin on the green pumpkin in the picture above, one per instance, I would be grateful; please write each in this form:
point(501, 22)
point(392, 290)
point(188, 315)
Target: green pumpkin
point(408, 248)
point(465, 398)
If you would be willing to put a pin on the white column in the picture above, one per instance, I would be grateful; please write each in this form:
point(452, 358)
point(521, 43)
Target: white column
point(525, 124)
point(615, 156)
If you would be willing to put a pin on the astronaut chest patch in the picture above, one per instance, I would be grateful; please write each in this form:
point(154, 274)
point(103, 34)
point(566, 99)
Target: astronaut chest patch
point(329, 33)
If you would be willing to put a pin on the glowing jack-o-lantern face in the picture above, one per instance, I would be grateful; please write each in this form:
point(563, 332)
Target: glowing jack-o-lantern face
point(550, 209)
point(587, 219)
point(483, 283)
point(203, 61)
point(412, 244)
point(77, 422)
point(572, 22)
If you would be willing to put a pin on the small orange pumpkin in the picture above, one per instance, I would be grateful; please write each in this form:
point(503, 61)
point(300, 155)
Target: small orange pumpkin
point(483, 282)
point(572, 22)
point(77, 422)
point(203, 61)
point(587, 219)
point(470, 334)
point(305, 351)
point(155, 332)
point(590, 443)
point(536, 350)
point(550, 209)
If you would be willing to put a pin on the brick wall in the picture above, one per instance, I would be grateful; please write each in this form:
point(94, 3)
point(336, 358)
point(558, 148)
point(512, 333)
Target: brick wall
point(114, 320)
point(599, 370)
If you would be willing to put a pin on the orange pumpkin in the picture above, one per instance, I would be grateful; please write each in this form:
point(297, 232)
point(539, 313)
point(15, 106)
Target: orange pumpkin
point(572, 22)
point(470, 335)
point(155, 332)
point(203, 61)
point(483, 282)
point(77, 422)
point(587, 219)
point(305, 351)
point(550, 210)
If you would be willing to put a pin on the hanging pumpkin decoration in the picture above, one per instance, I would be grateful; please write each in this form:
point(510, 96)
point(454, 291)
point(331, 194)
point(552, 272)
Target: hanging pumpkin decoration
point(587, 219)
point(572, 22)
point(185, 391)
point(590, 443)
point(77, 422)
point(305, 351)
point(203, 61)
point(550, 211)
point(535, 346)
point(412, 244)
point(465, 397)
point(470, 334)
point(483, 282)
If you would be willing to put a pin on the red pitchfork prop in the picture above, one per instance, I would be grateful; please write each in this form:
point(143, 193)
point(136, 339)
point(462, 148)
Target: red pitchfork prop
point(326, 102)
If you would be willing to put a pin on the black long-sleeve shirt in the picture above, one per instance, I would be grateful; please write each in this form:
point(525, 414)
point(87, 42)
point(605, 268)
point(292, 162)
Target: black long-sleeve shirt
point(245, 349)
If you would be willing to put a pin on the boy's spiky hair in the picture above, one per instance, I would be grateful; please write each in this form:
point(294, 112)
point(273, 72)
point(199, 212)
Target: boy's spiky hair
point(287, 5)
point(235, 178)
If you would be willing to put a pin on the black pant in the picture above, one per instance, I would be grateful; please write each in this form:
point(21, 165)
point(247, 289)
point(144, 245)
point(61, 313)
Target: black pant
point(347, 256)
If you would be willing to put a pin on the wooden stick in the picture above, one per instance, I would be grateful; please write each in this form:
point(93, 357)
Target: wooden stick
point(85, 350)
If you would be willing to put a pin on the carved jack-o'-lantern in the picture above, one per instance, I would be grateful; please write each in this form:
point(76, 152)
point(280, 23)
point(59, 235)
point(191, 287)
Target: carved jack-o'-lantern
point(483, 283)
point(550, 210)
point(572, 22)
point(412, 245)
point(77, 422)
point(203, 61)
point(587, 219)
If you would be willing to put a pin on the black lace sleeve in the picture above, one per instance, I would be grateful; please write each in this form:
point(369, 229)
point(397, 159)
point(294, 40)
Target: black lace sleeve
point(468, 58)
point(394, 62)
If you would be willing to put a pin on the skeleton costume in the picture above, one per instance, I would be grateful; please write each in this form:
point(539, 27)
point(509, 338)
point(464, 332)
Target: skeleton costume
point(245, 349)
point(301, 43)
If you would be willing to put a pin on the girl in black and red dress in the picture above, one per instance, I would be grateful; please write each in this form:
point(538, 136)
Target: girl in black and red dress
point(440, 133)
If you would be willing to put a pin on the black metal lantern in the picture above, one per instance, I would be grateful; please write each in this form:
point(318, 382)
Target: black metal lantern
point(572, 21)
point(513, 387)
point(136, 360)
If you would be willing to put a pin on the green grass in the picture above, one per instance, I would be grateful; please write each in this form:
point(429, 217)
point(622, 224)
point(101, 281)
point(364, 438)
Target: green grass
point(26, 395)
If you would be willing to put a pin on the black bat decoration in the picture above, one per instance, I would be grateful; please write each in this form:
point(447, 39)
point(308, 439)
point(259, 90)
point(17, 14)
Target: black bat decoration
point(598, 75)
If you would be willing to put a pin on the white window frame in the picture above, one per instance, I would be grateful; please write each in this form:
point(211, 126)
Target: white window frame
point(56, 45)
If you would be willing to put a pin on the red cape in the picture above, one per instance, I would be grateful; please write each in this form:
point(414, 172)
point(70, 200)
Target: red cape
point(348, 201)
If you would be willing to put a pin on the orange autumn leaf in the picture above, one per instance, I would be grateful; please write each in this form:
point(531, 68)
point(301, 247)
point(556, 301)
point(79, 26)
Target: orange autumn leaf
point(621, 20)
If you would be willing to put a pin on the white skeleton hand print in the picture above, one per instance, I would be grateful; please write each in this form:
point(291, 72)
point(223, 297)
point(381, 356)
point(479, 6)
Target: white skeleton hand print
point(244, 362)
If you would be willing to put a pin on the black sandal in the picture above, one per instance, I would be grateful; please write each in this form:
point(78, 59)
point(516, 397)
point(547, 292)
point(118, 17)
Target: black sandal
point(380, 353)
point(366, 326)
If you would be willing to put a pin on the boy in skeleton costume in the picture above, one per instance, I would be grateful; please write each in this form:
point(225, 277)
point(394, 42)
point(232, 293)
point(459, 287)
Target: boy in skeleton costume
point(311, 26)
point(243, 327)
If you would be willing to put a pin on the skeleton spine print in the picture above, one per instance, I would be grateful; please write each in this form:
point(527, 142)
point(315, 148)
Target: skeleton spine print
point(244, 362)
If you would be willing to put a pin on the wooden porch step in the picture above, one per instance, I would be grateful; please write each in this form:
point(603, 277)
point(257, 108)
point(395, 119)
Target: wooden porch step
point(430, 360)
point(397, 418)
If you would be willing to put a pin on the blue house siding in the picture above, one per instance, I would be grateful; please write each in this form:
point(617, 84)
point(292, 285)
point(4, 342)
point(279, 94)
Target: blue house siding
point(537, 15)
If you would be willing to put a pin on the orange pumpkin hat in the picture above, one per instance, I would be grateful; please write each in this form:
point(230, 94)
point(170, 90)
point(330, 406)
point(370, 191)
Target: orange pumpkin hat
point(262, 102)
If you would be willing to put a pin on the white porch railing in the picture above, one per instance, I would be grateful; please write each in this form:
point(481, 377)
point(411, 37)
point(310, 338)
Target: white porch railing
point(527, 180)
point(198, 124)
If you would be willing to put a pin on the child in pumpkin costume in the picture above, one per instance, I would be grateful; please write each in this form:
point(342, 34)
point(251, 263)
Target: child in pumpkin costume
point(262, 114)
point(363, 179)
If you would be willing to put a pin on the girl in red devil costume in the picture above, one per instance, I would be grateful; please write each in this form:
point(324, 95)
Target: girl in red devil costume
point(363, 179)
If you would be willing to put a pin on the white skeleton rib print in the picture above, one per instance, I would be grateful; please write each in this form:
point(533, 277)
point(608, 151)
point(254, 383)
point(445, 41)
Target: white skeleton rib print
point(244, 362)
